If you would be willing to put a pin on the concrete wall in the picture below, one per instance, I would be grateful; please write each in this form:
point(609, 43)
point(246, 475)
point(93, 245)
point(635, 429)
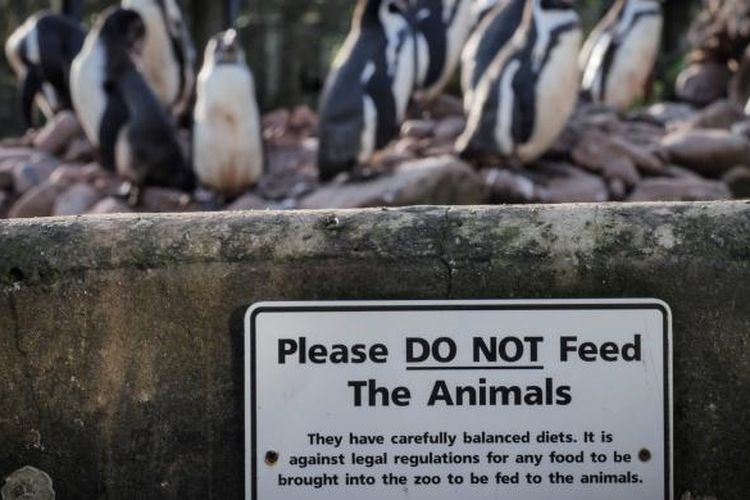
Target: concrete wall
point(120, 337)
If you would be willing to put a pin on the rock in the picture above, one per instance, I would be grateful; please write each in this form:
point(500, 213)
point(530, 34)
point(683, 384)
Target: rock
point(6, 201)
point(709, 152)
point(33, 172)
point(157, 199)
point(681, 172)
point(680, 189)
point(6, 175)
point(76, 200)
point(431, 181)
point(38, 201)
point(563, 183)
point(275, 124)
point(409, 146)
point(448, 129)
point(596, 150)
point(28, 483)
point(389, 158)
point(248, 201)
point(439, 150)
point(18, 153)
point(645, 160)
point(71, 173)
point(418, 129)
point(79, 150)
point(444, 106)
point(110, 205)
point(622, 169)
point(507, 186)
point(55, 137)
point(703, 83)
point(738, 180)
point(742, 128)
point(722, 114)
point(303, 120)
point(667, 113)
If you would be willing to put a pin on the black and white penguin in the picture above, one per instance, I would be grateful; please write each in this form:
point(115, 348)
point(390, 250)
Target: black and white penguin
point(493, 32)
point(621, 52)
point(527, 94)
point(41, 53)
point(119, 110)
point(168, 60)
point(367, 93)
point(442, 27)
point(227, 135)
point(102, 113)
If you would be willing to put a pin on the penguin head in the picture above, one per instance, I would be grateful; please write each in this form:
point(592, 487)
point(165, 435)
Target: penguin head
point(122, 28)
point(379, 13)
point(225, 48)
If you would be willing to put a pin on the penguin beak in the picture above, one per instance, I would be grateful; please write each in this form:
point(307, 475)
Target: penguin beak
point(230, 39)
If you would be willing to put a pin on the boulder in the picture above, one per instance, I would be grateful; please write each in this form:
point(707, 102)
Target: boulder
point(703, 83)
point(33, 172)
point(667, 114)
point(680, 189)
point(709, 152)
point(157, 199)
point(507, 186)
point(110, 205)
point(722, 114)
point(564, 183)
point(76, 200)
point(432, 181)
point(418, 129)
point(738, 180)
point(448, 129)
point(58, 133)
point(38, 201)
point(248, 201)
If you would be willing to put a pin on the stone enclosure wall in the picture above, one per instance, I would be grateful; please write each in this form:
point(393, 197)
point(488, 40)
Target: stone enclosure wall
point(121, 336)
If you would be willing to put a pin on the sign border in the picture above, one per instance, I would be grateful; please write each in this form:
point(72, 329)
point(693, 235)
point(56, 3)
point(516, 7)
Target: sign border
point(255, 310)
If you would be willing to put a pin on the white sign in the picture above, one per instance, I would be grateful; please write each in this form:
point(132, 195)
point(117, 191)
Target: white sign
point(524, 400)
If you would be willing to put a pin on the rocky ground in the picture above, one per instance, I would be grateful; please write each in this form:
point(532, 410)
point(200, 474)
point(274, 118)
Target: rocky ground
point(667, 152)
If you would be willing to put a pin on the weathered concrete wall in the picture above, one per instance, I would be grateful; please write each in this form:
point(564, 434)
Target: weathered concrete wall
point(120, 337)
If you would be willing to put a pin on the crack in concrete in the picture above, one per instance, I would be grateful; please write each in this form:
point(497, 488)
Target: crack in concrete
point(444, 260)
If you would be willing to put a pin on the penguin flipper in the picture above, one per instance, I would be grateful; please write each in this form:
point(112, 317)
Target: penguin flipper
point(28, 89)
point(113, 120)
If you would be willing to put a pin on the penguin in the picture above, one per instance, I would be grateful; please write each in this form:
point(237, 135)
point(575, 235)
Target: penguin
point(527, 94)
point(493, 32)
point(366, 95)
point(119, 110)
point(169, 55)
point(227, 134)
point(442, 27)
point(621, 52)
point(41, 53)
point(102, 114)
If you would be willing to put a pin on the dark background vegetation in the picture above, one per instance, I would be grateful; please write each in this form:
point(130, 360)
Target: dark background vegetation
point(290, 43)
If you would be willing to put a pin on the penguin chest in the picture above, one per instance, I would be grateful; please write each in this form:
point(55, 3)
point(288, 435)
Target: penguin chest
point(159, 63)
point(635, 56)
point(228, 150)
point(87, 79)
point(556, 92)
